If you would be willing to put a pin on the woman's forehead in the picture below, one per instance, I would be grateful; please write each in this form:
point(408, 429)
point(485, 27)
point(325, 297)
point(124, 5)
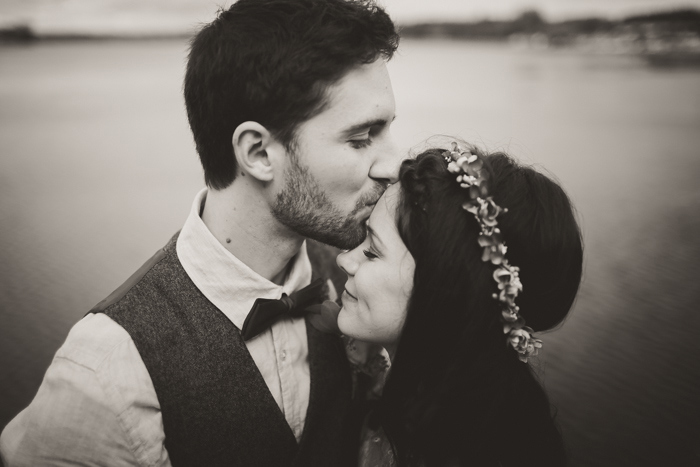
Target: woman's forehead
point(383, 218)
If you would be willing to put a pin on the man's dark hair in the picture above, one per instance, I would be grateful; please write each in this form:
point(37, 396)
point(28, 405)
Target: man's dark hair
point(271, 61)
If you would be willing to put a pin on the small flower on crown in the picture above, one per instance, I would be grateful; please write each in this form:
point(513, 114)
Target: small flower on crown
point(470, 175)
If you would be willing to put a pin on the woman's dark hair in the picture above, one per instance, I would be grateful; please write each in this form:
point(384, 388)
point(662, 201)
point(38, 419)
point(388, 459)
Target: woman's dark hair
point(457, 394)
point(271, 61)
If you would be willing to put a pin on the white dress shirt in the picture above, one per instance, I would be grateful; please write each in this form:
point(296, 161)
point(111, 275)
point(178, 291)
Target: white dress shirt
point(97, 404)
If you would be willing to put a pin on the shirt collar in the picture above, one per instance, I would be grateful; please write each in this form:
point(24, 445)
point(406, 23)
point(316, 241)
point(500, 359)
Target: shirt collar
point(225, 280)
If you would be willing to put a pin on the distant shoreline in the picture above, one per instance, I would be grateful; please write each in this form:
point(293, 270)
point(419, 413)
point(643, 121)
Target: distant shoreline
point(24, 34)
point(673, 33)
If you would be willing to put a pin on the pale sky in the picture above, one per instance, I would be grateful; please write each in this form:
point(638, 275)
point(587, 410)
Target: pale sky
point(144, 16)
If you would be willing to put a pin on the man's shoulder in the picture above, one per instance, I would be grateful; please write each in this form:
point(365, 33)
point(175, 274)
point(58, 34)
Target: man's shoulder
point(100, 352)
point(96, 402)
point(93, 340)
point(136, 278)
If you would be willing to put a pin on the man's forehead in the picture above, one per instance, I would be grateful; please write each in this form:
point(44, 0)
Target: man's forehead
point(363, 94)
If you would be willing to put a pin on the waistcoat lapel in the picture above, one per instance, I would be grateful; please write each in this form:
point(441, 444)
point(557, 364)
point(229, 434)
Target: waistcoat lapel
point(329, 438)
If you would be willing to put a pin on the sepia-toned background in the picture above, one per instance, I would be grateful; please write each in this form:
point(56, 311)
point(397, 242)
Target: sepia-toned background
point(98, 170)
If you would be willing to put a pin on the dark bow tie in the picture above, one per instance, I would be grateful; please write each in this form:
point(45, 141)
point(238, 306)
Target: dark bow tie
point(265, 312)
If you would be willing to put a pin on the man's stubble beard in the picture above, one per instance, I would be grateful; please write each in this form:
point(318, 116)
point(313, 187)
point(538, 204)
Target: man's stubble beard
point(304, 207)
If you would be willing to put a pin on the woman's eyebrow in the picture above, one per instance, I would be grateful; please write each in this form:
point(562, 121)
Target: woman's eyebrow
point(374, 237)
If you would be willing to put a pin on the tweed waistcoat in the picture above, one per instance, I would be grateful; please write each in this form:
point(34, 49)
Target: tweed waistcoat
point(216, 407)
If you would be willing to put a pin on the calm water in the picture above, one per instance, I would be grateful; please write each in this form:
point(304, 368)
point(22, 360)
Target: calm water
point(97, 170)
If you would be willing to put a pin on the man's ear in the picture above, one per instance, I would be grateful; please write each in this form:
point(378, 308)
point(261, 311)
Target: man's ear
point(252, 144)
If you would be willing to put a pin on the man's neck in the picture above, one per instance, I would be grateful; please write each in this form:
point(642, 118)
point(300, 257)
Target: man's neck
point(241, 221)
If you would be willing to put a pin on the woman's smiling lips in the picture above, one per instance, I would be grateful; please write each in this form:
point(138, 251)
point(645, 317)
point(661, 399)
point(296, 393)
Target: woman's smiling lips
point(345, 292)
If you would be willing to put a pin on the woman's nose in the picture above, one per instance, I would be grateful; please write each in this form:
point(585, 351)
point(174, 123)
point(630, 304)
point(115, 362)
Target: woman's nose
point(346, 262)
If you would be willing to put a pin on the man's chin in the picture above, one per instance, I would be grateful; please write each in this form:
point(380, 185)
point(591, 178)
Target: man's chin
point(342, 242)
point(348, 237)
point(344, 233)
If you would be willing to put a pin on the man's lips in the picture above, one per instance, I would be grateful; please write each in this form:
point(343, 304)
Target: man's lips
point(366, 211)
point(377, 194)
point(370, 205)
point(376, 199)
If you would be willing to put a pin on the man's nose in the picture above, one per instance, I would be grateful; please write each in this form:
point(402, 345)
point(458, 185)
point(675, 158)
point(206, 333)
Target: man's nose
point(388, 160)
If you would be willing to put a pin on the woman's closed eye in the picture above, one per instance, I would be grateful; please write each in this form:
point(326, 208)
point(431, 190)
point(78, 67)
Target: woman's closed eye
point(370, 254)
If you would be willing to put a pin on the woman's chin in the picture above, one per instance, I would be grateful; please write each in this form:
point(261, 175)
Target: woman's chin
point(342, 321)
point(347, 322)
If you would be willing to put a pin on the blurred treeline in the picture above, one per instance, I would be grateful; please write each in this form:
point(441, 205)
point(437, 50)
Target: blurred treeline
point(672, 25)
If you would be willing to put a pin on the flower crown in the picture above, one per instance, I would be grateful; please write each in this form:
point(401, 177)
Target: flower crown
point(470, 175)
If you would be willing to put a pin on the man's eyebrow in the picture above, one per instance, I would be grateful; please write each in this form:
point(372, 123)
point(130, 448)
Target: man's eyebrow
point(371, 232)
point(367, 124)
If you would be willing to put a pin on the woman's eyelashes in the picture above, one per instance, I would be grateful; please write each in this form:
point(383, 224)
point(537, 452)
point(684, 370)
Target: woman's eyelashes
point(370, 254)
